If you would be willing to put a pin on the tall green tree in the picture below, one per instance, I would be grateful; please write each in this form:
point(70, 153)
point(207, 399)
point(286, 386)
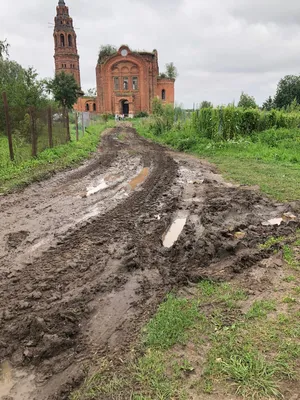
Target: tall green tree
point(247, 101)
point(23, 90)
point(288, 89)
point(268, 105)
point(3, 48)
point(206, 104)
point(65, 91)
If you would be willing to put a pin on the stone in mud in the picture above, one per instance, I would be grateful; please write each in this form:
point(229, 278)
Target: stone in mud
point(24, 305)
point(36, 295)
point(289, 216)
point(239, 235)
point(7, 315)
point(28, 353)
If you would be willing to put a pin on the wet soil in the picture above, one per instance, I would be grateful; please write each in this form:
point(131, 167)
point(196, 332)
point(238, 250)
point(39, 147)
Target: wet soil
point(83, 262)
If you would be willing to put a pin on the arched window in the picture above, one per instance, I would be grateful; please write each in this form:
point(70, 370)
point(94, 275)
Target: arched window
point(125, 83)
point(62, 40)
point(94, 107)
point(87, 107)
point(163, 94)
point(55, 41)
point(70, 40)
point(135, 83)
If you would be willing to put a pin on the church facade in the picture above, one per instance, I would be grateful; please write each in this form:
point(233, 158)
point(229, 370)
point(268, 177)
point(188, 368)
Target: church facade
point(127, 81)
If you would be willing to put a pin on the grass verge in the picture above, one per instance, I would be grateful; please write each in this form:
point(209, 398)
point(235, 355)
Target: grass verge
point(269, 159)
point(220, 342)
point(18, 175)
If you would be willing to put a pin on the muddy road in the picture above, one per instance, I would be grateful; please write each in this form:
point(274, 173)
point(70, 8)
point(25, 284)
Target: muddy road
point(87, 255)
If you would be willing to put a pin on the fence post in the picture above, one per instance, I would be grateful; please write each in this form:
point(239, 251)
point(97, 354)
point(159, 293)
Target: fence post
point(82, 123)
point(8, 127)
point(68, 126)
point(50, 136)
point(33, 133)
point(76, 123)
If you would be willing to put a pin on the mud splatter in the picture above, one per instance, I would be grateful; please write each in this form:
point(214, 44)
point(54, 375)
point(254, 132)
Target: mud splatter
point(92, 285)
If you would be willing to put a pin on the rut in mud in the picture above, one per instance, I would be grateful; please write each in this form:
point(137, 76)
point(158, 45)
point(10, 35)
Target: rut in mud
point(86, 256)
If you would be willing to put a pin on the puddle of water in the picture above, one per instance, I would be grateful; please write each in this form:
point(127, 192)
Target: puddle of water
point(139, 179)
point(94, 189)
point(274, 221)
point(174, 232)
point(15, 384)
point(6, 379)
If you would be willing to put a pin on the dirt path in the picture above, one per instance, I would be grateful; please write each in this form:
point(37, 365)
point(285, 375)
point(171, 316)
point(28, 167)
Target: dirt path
point(83, 263)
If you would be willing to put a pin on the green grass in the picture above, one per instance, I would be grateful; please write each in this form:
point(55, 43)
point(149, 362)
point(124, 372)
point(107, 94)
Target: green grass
point(249, 354)
point(260, 309)
point(273, 165)
point(18, 174)
point(171, 322)
point(272, 241)
point(289, 257)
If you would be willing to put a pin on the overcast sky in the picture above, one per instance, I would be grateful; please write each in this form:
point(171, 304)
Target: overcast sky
point(220, 47)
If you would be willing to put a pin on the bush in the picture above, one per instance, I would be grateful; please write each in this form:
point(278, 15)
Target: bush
point(142, 114)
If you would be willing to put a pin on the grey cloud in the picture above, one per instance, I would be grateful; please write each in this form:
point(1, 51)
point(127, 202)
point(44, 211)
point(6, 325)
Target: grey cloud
point(220, 48)
point(161, 5)
point(268, 11)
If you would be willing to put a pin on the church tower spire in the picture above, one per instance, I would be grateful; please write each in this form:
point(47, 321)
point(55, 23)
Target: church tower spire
point(65, 43)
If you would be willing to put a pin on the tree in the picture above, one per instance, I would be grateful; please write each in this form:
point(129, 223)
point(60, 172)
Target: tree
point(92, 92)
point(171, 71)
point(3, 48)
point(247, 101)
point(268, 105)
point(206, 104)
point(22, 87)
point(288, 89)
point(105, 52)
point(65, 91)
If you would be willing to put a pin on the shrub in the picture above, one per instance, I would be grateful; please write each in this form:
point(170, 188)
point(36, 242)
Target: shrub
point(142, 114)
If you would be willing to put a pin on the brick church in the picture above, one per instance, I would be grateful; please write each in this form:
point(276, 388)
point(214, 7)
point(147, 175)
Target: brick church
point(127, 81)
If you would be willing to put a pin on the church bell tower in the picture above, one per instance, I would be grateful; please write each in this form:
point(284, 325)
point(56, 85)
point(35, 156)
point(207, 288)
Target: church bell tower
point(66, 56)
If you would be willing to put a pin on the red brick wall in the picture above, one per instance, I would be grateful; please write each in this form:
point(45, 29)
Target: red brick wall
point(65, 44)
point(168, 85)
point(82, 103)
point(141, 65)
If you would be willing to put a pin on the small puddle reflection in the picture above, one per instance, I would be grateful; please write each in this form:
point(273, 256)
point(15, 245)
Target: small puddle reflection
point(139, 179)
point(94, 189)
point(174, 232)
point(6, 378)
point(15, 384)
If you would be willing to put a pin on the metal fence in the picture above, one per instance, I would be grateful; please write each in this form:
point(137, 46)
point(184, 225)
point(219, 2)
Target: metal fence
point(27, 131)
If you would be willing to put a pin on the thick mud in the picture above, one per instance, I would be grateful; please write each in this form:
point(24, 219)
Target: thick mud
point(84, 258)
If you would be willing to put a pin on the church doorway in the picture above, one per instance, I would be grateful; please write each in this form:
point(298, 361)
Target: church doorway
point(125, 107)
